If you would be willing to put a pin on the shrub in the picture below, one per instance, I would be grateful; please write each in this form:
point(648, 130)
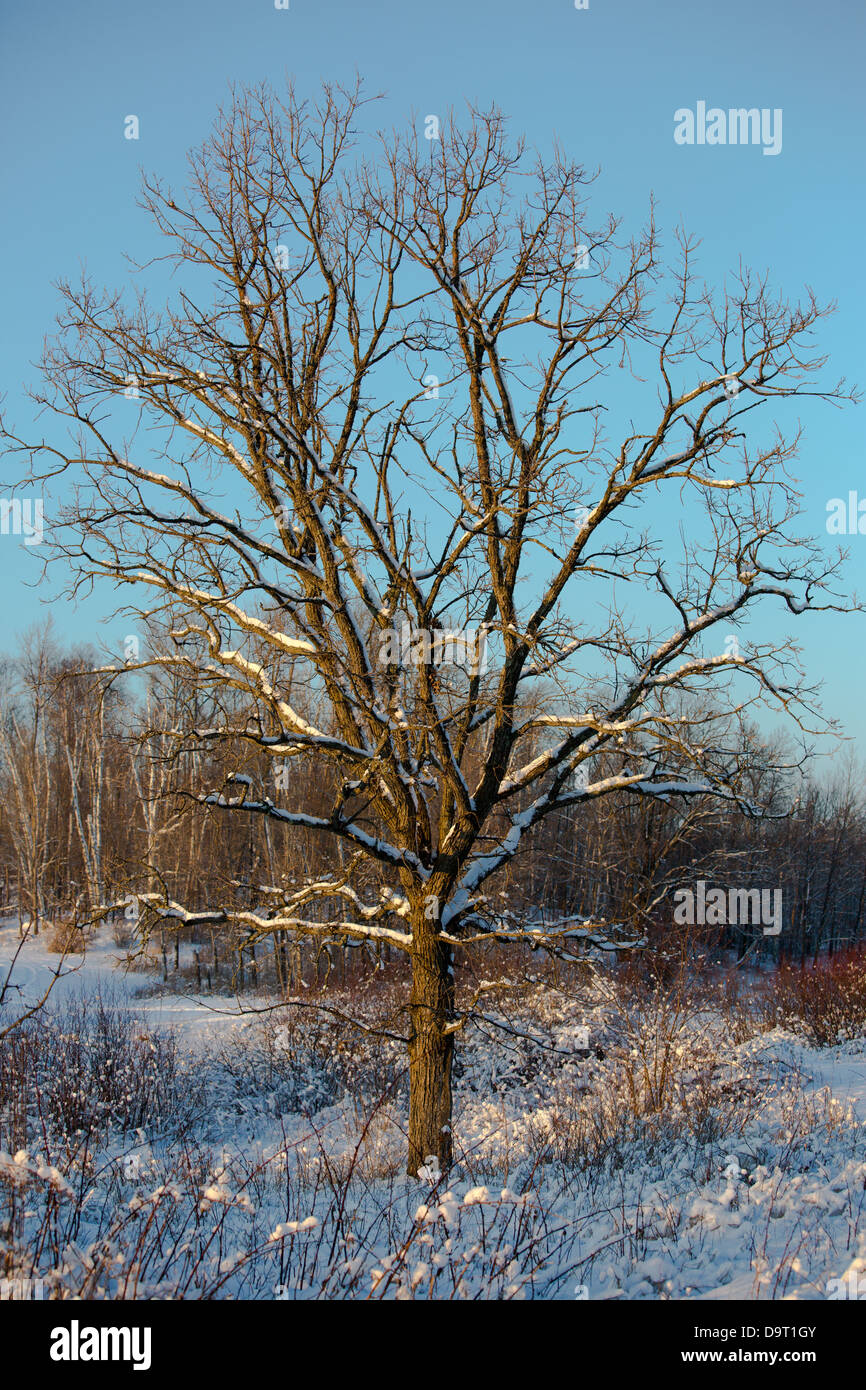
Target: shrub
point(66, 938)
point(826, 1000)
point(93, 1068)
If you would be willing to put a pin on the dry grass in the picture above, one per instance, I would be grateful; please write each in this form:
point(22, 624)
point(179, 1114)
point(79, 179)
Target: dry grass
point(66, 938)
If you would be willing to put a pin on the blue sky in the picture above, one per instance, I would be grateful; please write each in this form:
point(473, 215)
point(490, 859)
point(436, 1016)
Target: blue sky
point(606, 81)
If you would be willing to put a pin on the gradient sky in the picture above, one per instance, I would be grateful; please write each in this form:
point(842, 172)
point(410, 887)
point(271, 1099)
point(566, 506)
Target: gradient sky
point(606, 81)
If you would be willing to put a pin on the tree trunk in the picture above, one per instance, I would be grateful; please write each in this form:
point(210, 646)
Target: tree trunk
point(431, 1049)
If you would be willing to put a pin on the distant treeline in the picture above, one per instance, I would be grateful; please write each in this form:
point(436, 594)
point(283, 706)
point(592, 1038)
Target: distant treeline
point(100, 791)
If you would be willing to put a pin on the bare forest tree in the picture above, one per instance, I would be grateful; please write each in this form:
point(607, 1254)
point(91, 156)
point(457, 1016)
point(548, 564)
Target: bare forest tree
point(409, 403)
point(26, 762)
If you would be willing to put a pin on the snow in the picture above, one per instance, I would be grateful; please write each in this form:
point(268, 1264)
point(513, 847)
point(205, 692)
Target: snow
point(768, 1202)
point(99, 971)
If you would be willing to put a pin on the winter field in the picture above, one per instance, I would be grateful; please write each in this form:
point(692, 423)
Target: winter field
point(707, 1144)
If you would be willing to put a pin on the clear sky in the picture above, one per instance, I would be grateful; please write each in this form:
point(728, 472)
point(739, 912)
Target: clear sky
point(605, 80)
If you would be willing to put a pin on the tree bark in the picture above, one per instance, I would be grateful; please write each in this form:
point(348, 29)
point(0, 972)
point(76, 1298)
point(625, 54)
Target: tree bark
point(431, 1048)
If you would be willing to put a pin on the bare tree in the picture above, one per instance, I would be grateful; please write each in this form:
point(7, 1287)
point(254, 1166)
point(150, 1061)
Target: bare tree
point(85, 747)
point(392, 418)
point(26, 764)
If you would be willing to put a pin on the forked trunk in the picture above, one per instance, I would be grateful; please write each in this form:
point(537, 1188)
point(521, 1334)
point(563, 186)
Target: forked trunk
point(431, 1049)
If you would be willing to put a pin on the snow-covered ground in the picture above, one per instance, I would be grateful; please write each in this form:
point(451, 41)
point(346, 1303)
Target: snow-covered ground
point(278, 1172)
point(101, 968)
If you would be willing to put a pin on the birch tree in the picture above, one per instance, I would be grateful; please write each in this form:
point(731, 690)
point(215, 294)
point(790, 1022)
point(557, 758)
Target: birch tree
point(85, 749)
point(26, 762)
point(409, 389)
